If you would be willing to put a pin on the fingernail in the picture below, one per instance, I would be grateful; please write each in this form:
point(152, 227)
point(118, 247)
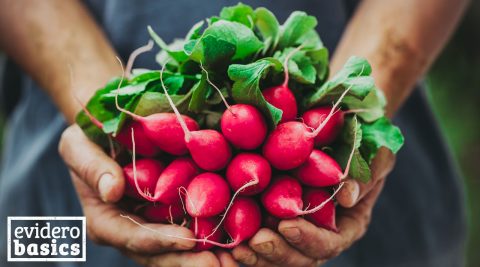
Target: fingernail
point(355, 192)
point(265, 247)
point(292, 234)
point(106, 183)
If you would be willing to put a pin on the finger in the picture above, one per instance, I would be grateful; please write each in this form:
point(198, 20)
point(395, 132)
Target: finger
point(248, 257)
point(106, 226)
point(320, 243)
point(245, 255)
point(276, 250)
point(353, 190)
point(225, 259)
point(91, 164)
point(177, 259)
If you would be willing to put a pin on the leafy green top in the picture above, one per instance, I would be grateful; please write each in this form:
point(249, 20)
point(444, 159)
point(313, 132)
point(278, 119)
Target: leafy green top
point(243, 50)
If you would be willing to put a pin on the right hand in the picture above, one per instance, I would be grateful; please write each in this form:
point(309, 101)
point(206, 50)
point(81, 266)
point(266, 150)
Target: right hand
point(99, 182)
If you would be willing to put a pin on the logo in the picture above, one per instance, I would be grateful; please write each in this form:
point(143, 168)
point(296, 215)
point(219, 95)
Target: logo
point(46, 239)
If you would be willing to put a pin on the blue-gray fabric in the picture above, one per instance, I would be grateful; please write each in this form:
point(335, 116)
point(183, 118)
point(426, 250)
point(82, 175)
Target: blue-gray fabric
point(419, 219)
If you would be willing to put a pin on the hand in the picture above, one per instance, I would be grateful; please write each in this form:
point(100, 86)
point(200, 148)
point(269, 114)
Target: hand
point(303, 244)
point(99, 182)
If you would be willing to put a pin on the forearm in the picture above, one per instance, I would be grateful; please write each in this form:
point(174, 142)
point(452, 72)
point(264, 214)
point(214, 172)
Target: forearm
point(46, 38)
point(400, 39)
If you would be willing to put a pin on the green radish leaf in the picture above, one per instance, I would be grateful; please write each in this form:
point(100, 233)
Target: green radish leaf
point(295, 27)
point(353, 76)
point(176, 54)
point(156, 102)
point(199, 95)
point(223, 42)
point(126, 91)
point(359, 169)
point(101, 112)
point(239, 13)
point(195, 31)
point(268, 26)
point(371, 108)
point(342, 148)
point(300, 67)
point(380, 133)
point(246, 86)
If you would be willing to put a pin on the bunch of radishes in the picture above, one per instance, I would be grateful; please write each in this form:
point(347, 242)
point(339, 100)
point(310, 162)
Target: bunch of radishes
point(262, 161)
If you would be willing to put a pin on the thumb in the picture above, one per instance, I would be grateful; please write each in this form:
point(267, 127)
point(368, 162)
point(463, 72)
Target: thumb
point(100, 172)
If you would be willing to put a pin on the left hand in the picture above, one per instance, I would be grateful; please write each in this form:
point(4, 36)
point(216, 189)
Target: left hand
point(303, 244)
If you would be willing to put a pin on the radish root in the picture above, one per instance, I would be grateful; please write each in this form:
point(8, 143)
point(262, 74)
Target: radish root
point(319, 207)
point(135, 54)
point(172, 105)
point(216, 88)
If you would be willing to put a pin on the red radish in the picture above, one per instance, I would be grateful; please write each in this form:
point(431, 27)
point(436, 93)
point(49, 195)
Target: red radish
point(244, 126)
point(283, 198)
point(163, 128)
point(239, 119)
point(145, 147)
point(325, 217)
point(319, 170)
point(281, 96)
point(144, 173)
point(202, 227)
point(207, 195)
point(177, 174)
point(208, 148)
point(241, 224)
point(243, 221)
point(248, 167)
point(290, 144)
point(162, 213)
point(314, 117)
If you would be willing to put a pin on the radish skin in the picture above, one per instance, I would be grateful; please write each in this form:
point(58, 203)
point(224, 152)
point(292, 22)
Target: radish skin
point(209, 149)
point(247, 167)
point(204, 226)
point(145, 174)
point(161, 213)
point(177, 174)
point(290, 144)
point(314, 117)
point(243, 221)
point(319, 170)
point(240, 119)
point(281, 96)
point(145, 146)
point(283, 198)
point(325, 217)
point(207, 195)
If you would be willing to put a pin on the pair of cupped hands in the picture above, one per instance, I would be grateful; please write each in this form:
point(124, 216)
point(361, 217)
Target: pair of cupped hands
point(99, 182)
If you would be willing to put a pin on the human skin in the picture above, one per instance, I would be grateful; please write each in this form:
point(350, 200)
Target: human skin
point(50, 39)
point(404, 37)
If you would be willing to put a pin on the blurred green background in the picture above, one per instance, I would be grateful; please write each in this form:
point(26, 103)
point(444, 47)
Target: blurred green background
point(454, 92)
point(453, 85)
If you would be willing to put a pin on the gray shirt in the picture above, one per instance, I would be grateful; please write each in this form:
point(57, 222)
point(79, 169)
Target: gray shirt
point(419, 219)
